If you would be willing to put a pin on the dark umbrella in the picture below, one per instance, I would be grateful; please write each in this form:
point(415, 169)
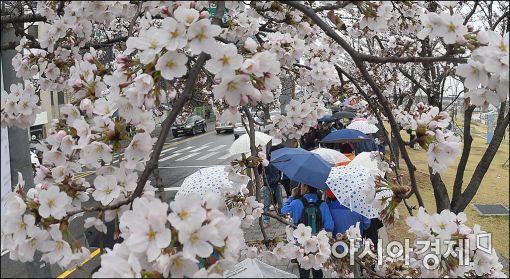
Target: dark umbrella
point(302, 166)
point(345, 135)
point(344, 114)
point(326, 118)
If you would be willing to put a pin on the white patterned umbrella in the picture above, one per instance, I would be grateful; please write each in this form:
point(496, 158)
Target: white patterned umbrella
point(365, 160)
point(330, 155)
point(363, 126)
point(354, 187)
point(242, 144)
point(206, 180)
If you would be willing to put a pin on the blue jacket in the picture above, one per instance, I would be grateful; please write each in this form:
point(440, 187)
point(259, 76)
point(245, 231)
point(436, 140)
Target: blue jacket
point(295, 208)
point(343, 218)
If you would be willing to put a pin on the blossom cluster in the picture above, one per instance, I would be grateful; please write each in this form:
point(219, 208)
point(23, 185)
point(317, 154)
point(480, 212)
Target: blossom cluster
point(430, 125)
point(19, 107)
point(301, 116)
point(452, 234)
point(177, 244)
point(486, 72)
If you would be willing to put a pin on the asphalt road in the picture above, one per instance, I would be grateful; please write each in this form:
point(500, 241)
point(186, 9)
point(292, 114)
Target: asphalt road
point(180, 157)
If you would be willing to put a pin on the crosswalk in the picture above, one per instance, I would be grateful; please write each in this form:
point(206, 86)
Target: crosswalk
point(190, 153)
point(197, 153)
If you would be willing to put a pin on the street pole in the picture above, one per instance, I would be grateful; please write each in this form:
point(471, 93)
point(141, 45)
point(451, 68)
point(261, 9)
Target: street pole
point(18, 138)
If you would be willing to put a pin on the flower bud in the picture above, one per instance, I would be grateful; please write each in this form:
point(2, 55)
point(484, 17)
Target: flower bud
point(61, 134)
point(443, 115)
point(433, 125)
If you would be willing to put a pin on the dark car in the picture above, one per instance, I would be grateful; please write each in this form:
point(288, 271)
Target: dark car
point(191, 126)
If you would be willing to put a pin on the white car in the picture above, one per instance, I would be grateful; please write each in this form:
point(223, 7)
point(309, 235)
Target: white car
point(224, 127)
point(239, 128)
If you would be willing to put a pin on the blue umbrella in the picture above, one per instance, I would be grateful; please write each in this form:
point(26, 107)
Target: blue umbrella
point(345, 135)
point(326, 118)
point(302, 166)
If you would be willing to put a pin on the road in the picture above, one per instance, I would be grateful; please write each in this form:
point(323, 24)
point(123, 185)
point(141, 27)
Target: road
point(179, 158)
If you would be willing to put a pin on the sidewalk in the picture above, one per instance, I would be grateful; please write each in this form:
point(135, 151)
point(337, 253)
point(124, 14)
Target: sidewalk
point(276, 229)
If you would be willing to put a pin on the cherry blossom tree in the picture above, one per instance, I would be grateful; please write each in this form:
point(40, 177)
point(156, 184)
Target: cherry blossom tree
point(179, 53)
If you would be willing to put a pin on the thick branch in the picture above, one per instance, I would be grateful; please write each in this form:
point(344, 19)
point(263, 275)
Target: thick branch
point(485, 162)
point(466, 150)
point(440, 192)
point(22, 18)
point(468, 17)
point(169, 121)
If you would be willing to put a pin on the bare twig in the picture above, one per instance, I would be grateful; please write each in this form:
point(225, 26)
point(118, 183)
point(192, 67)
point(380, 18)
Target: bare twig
point(22, 18)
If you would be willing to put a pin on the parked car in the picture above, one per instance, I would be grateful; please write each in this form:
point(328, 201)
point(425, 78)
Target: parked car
point(239, 129)
point(191, 126)
point(224, 127)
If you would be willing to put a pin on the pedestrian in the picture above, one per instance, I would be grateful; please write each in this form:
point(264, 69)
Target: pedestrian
point(271, 189)
point(343, 217)
point(332, 127)
point(306, 207)
point(348, 150)
point(286, 183)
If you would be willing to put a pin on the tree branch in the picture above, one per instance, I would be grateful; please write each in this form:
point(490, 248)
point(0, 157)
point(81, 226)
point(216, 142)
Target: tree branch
point(493, 27)
point(468, 17)
point(169, 121)
point(485, 162)
point(358, 60)
point(256, 173)
point(280, 219)
point(361, 56)
point(22, 18)
point(466, 150)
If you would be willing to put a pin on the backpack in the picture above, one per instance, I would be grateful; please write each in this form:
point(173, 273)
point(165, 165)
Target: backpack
point(272, 175)
point(311, 215)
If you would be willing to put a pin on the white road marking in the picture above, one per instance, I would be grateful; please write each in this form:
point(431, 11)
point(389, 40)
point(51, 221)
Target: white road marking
point(207, 156)
point(168, 157)
point(175, 188)
point(186, 148)
point(187, 156)
point(200, 148)
point(5, 252)
point(217, 147)
point(168, 149)
point(228, 155)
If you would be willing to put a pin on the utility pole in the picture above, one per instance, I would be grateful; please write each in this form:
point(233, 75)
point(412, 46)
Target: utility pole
point(19, 148)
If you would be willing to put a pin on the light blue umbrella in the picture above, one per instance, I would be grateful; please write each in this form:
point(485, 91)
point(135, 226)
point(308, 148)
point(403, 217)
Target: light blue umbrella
point(302, 166)
point(345, 135)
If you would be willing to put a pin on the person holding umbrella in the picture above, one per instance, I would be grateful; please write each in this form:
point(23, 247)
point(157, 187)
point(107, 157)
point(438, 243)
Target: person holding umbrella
point(306, 207)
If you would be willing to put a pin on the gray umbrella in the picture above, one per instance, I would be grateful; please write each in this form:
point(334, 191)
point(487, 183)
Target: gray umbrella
point(344, 114)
